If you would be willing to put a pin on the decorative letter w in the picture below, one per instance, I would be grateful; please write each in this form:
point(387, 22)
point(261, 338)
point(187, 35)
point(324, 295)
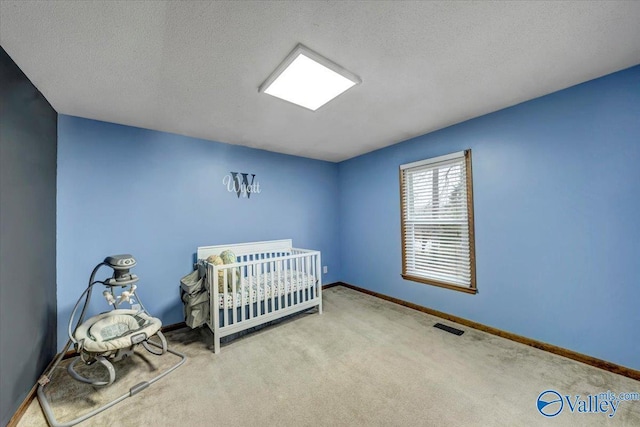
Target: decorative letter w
point(245, 187)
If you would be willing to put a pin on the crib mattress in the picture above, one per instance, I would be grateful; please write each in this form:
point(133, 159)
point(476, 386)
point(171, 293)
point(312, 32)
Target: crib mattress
point(267, 285)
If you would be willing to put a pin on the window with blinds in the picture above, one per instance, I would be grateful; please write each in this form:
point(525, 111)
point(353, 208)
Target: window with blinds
point(437, 222)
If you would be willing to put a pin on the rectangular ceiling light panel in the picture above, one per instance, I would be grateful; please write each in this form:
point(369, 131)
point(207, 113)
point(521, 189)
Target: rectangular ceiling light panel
point(308, 79)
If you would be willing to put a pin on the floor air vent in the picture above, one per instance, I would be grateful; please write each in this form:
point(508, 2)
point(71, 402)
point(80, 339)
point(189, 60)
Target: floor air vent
point(449, 329)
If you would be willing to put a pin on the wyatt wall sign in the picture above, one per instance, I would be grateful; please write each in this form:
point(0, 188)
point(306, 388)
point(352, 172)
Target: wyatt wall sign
point(239, 183)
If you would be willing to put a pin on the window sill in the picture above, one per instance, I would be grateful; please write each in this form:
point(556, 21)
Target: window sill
point(473, 290)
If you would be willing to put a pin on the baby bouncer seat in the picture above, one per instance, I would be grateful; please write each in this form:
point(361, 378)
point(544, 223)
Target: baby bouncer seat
point(110, 336)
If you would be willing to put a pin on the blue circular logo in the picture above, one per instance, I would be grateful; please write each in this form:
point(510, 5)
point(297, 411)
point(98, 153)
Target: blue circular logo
point(550, 403)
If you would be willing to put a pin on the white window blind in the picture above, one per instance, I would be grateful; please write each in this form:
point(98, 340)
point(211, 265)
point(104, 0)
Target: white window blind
point(437, 221)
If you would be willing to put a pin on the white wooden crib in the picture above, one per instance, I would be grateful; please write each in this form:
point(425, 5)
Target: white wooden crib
point(270, 280)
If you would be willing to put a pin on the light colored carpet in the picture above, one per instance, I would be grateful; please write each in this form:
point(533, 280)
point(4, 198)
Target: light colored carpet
point(365, 361)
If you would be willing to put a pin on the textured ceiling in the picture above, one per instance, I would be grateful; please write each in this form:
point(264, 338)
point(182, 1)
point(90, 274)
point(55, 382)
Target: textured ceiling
point(194, 68)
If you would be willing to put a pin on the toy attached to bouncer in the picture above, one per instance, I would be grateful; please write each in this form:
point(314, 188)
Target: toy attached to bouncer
point(110, 336)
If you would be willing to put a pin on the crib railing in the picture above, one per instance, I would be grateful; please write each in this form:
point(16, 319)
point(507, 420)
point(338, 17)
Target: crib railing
point(262, 287)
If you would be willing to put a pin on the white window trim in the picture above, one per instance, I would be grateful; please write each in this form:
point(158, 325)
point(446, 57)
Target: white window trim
point(466, 155)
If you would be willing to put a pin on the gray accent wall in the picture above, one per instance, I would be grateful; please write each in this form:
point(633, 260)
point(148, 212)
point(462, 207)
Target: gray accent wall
point(28, 149)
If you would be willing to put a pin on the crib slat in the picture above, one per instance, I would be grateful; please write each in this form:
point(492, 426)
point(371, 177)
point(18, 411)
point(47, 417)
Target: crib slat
point(264, 268)
point(294, 263)
point(241, 302)
point(298, 280)
point(250, 282)
point(278, 281)
point(264, 284)
point(292, 270)
point(234, 295)
point(311, 276)
point(302, 280)
point(273, 287)
point(287, 273)
point(315, 276)
point(292, 278)
point(294, 289)
point(263, 273)
point(257, 289)
point(282, 278)
point(307, 277)
point(260, 283)
point(224, 298)
point(241, 272)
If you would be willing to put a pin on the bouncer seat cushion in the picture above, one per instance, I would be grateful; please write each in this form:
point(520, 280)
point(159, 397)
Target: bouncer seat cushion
point(116, 329)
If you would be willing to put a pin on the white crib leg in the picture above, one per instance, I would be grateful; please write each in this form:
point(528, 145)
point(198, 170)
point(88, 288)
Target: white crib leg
point(318, 274)
point(216, 344)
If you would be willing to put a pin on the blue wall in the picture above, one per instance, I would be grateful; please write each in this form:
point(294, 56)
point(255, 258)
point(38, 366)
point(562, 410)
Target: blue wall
point(557, 211)
point(159, 196)
point(27, 235)
point(557, 195)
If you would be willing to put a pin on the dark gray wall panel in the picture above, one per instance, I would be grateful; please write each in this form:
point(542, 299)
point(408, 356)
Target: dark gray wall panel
point(28, 148)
